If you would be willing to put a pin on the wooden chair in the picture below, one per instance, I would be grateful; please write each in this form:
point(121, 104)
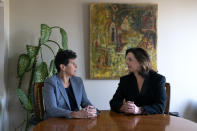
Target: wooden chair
point(38, 100)
point(167, 85)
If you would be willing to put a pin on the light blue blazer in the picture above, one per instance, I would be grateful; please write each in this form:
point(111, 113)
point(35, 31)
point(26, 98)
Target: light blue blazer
point(56, 100)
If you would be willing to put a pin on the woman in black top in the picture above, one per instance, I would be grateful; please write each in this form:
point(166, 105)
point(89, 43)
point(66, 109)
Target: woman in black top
point(143, 90)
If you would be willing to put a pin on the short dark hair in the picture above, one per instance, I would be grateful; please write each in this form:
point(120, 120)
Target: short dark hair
point(143, 58)
point(63, 57)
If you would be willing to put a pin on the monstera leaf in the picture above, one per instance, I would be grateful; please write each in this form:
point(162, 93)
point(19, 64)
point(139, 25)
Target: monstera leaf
point(32, 51)
point(64, 38)
point(24, 99)
point(41, 72)
point(60, 49)
point(23, 63)
point(45, 33)
point(52, 68)
point(30, 64)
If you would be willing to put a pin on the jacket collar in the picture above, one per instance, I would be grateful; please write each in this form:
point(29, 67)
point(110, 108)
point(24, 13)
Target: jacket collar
point(63, 91)
point(145, 86)
point(76, 91)
point(75, 88)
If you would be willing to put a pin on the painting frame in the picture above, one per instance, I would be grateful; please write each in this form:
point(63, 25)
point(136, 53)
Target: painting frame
point(116, 27)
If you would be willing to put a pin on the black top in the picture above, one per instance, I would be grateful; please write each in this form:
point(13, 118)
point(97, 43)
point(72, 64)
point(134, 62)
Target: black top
point(71, 97)
point(152, 97)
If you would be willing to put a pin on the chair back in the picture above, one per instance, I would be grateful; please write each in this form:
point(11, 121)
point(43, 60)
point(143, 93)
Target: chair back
point(38, 100)
point(167, 85)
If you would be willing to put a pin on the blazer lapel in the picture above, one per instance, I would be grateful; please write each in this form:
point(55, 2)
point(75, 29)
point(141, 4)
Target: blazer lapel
point(76, 91)
point(145, 85)
point(63, 91)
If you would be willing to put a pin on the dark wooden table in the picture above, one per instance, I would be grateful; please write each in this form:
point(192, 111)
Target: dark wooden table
point(111, 121)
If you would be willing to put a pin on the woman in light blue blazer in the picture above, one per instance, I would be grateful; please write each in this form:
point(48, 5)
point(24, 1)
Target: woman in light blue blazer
point(64, 93)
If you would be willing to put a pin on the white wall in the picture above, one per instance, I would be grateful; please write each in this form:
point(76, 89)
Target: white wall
point(177, 44)
point(176, 47)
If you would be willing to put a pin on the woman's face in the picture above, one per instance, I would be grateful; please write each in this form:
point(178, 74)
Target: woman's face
point(132, 63)
point(71, 68)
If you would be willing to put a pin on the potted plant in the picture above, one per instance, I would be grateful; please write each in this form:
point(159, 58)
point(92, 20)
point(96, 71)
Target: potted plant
point(27, 62)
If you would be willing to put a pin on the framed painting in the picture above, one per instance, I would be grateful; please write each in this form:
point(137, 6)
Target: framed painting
point(113, 29)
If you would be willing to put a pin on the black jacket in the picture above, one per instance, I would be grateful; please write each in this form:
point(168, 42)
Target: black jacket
point(152, 97)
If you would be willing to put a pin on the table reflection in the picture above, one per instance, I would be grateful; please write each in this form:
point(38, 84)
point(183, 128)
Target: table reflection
point(135, 122)
point(112, 121)
point(62, 124)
